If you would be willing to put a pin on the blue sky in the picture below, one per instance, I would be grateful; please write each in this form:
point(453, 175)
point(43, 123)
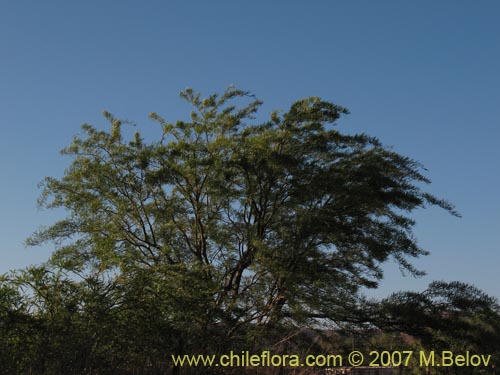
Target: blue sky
point(422, 76)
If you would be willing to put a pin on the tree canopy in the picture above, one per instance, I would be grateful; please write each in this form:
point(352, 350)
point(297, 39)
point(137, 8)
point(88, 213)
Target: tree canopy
point(244, 222)
point(221, 227)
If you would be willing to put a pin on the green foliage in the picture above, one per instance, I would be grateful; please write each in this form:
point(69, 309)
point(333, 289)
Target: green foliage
point(215, 233)
point(281, 219)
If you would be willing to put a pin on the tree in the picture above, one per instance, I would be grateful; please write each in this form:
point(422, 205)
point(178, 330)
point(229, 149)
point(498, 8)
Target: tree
point(232, 225)
point(452, 316)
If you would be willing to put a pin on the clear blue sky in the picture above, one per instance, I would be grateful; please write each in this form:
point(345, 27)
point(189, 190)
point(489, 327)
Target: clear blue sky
point(423, 76)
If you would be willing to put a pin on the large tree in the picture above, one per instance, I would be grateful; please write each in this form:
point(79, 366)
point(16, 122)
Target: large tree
point(228, 223)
